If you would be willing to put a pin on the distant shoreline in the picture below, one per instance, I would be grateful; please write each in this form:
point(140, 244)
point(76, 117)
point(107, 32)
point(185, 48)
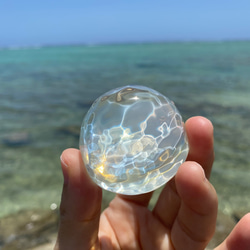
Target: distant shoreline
point(40, 46)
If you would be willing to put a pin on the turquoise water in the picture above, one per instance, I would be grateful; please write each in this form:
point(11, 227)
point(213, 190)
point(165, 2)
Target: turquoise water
point(45, 92)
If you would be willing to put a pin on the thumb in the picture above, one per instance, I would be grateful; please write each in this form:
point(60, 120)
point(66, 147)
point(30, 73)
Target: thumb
point(80, 205)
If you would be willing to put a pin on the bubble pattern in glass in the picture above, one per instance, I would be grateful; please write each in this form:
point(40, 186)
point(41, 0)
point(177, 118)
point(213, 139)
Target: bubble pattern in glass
point(133, 140)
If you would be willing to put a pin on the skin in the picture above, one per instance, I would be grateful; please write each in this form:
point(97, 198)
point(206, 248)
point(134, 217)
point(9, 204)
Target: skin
point(184, 216)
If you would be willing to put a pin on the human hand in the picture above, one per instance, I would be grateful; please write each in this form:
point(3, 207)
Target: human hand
point(184, 216)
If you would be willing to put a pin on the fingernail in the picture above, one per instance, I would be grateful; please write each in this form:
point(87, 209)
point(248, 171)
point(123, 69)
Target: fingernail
point(64, 170)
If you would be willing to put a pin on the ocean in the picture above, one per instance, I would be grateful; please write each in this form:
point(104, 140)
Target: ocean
point(46, 91)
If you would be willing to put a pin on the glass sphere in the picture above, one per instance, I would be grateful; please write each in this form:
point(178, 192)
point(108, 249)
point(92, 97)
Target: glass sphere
point(133, 140)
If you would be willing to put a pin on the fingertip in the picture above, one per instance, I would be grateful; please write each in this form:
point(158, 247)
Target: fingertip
point(189, 177)
point(200, 138)
point(70, 156)
point(74, 169)
point(201, 122)
point(200, 127)
point(194, 188)
point(190, 171)
point(239, 237)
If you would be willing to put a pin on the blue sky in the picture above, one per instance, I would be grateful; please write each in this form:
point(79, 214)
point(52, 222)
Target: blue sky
point(34, 22)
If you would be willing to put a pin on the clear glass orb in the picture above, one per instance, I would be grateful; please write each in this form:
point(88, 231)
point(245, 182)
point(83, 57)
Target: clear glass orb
point(133, 140)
